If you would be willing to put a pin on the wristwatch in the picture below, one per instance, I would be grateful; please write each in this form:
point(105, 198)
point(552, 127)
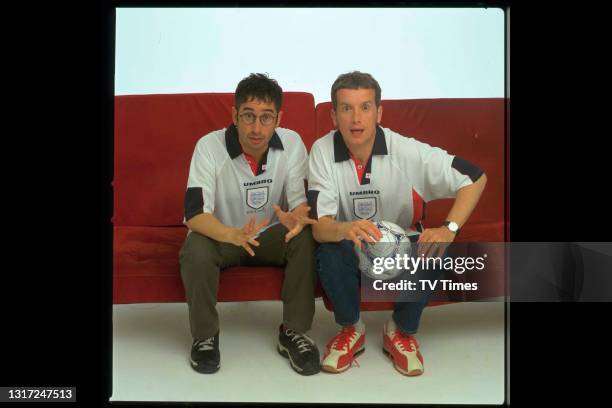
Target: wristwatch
point(452, 226)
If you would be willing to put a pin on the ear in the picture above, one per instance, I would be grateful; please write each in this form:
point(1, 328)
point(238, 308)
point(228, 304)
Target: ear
point(234, 116)
point(333, 118)
point(380, 109)
point(278, 118)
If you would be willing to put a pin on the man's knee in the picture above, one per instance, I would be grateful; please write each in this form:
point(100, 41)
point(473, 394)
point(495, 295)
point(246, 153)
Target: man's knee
point(198, 251)
point(340, 254)
point(303, 242)
point(301, 256)
point(336, 264)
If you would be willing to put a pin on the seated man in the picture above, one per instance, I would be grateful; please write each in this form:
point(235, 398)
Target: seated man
point(240, 179)
point(361, 173)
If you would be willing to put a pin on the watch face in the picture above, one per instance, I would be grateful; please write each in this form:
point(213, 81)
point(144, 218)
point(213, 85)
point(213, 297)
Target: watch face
point(453, 226)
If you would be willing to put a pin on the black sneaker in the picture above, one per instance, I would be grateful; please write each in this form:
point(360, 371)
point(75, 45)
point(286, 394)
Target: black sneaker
point(205, 355)
point(301, 351)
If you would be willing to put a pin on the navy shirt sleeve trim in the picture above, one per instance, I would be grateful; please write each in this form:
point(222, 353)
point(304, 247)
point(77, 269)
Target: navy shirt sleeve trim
point(312, 197)
point(194, 202)
point(466, 168)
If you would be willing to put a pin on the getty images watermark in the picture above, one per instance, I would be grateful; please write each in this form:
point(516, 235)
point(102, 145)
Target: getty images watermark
point(412, 264)
point(392, 267)
point(460, 274)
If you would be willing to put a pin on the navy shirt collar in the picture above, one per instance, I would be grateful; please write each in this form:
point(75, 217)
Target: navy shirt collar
point(233, 145)
point(341, 152)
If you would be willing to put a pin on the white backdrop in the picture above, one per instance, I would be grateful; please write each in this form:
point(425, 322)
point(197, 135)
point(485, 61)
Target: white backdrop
point(413, 53)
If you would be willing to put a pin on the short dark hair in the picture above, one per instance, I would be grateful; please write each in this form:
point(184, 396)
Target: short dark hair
point(355, 80)
point(260, 87)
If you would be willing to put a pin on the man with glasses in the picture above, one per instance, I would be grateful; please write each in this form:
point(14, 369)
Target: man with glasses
point(245, 205)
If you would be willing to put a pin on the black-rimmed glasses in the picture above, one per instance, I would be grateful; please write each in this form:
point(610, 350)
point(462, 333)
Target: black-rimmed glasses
point(266, 119)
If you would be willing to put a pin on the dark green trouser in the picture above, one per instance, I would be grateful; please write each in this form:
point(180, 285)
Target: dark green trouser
point(202, 259)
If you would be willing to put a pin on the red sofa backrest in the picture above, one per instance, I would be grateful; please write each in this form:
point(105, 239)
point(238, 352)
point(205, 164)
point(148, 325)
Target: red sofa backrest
point(155, 136)
point(470, 128)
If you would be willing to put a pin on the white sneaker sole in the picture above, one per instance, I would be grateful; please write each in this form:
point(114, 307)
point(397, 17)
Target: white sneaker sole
point(412, 373)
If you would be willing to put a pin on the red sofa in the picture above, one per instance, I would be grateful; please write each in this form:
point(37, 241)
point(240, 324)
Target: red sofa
point(154, 139)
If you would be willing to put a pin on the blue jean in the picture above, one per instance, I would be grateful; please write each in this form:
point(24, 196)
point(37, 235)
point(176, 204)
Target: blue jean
point(338, 269)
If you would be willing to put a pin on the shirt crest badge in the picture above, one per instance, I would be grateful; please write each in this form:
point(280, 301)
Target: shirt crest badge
point(365, 208)
point(257, 197)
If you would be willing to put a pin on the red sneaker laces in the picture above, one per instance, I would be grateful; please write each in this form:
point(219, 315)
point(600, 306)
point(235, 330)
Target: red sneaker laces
point(406, 342)
point(343, 339)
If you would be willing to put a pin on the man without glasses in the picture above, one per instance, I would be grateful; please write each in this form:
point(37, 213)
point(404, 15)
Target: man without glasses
point(361, 173)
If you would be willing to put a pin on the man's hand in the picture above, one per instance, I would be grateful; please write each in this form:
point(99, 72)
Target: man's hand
point(244, 236)
point(434, 241)
point(357, 231)
point(294, 221)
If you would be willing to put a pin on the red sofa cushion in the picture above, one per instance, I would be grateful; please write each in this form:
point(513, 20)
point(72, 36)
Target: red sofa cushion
point(155, 136)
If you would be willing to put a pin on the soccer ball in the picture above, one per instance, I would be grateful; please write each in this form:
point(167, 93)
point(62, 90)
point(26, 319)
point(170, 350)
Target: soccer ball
point(394, 241)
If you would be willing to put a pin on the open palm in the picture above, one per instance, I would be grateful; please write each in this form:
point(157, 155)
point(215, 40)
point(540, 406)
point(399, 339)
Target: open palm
point(294, 221)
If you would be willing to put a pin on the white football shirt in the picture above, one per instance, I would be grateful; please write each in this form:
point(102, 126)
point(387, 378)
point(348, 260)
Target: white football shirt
point(221, 181)
point(401, 176)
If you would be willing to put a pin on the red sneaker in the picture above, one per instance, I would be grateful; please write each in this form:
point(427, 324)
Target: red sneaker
point(342, 349)
point(404, 351)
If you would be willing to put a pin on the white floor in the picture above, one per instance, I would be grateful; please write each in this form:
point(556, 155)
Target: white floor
point(462, 344)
